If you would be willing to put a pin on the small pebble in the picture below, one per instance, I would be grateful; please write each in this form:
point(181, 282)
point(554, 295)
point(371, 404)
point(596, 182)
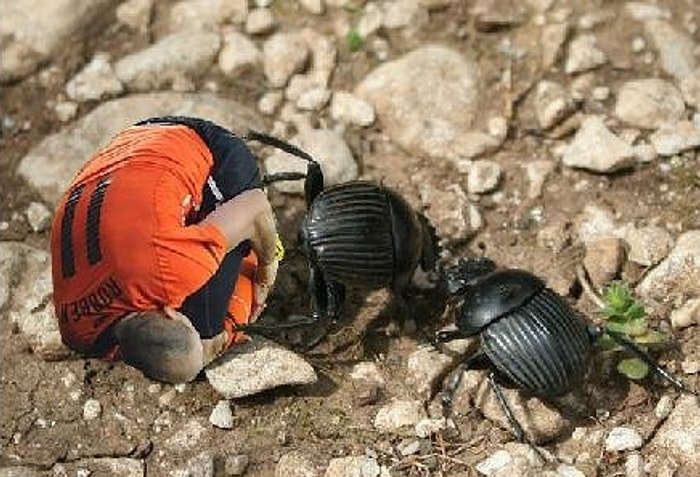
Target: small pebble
point(92, 409)
point(622, 439)
point(664, 407)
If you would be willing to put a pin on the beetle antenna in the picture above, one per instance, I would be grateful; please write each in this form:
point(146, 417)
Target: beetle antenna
point(279, 144)
point(282, 176)
point(627, 343)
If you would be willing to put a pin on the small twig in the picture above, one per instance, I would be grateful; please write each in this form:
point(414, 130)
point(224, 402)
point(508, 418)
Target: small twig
point(588, 288)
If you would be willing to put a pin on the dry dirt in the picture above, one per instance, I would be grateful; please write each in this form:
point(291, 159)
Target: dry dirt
point(42, 424)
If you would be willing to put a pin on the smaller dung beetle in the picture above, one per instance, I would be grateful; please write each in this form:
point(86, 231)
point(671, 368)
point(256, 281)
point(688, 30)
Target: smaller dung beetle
point(357, 233)
point(528, 333)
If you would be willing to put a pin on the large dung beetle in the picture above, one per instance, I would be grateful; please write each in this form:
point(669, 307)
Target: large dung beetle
point(528, 333)
point(357, 234)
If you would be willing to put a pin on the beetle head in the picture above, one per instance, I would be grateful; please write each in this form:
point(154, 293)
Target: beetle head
point(493, 295)
point(466, 273)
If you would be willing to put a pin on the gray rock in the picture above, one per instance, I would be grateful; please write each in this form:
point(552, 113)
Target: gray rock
point(238, 55)
point(92, 409)
point(353, 466)
point(96, 81)
point(664, 407)
point(50, 165)
point(595, 222)
point(675, 47)
point(642, 11)
point(295, 464)
point(679, 436)
point(175, 58)
point(39, 216)
point(222, 415)
point(260, 21)
point(541, 422)
point(348, 108)
point(597, 149)
point(26, 287)
point(483, 177)
point(236, 464)
point(188, 437)
point(427, 100)
point(326, 146)
point(623, 439)
point(634, 466)
point(690, 87)
point(649, 103)
point(688, 314)
point(121, 466)
point(604, 259)
point(552, 104)
point(206, 15)
point(537, 173)
point(66, 110)
point(584, 55)
point(283, 55)
point(458, 222)
point(398, 415)
point(135, 14)
point(678, 275)
point(647, 245)
point(18, 471)
point(427, 365)
point(256, 366)
point(672, 139)
point(33, 31)
point(514, 460)
point(313, 6)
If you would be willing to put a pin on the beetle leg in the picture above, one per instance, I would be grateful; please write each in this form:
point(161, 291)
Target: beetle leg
point(454, 381)
point(313, 185)
point(630, 345)
point(514, 424)
point(335, 293)
point(447, 335)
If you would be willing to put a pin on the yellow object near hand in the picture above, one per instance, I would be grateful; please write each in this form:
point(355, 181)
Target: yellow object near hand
point(279, 249)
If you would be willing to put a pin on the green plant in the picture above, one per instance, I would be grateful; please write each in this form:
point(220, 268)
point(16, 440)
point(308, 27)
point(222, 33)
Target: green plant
point(353, 40)
point(626, 314)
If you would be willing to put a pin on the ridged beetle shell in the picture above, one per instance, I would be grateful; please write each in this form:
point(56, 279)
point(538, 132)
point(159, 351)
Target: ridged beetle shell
point(361, 233)
point(527, 331)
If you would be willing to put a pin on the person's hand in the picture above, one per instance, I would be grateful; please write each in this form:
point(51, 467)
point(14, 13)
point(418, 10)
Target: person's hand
point(264, 280)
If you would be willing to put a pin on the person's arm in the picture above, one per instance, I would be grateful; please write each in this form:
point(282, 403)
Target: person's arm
point(249, 216)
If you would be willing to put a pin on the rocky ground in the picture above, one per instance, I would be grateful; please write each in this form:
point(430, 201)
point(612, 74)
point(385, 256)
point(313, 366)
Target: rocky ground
point(557, 136)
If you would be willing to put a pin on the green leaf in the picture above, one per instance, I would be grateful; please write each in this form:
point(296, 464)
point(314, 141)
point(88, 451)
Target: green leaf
point(651, 337)
point(633, 368)
point(354, 40)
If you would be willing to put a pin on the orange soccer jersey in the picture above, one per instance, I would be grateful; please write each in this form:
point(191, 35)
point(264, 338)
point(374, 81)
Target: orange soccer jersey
point(121, 238)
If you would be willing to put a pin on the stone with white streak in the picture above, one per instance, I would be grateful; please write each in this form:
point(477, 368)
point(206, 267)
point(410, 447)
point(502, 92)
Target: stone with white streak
point(597, 149)
point(649, 103)
point(256, 366)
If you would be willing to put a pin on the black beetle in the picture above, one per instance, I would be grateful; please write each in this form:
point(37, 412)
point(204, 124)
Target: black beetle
point(528, 333)
point(358, 234)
